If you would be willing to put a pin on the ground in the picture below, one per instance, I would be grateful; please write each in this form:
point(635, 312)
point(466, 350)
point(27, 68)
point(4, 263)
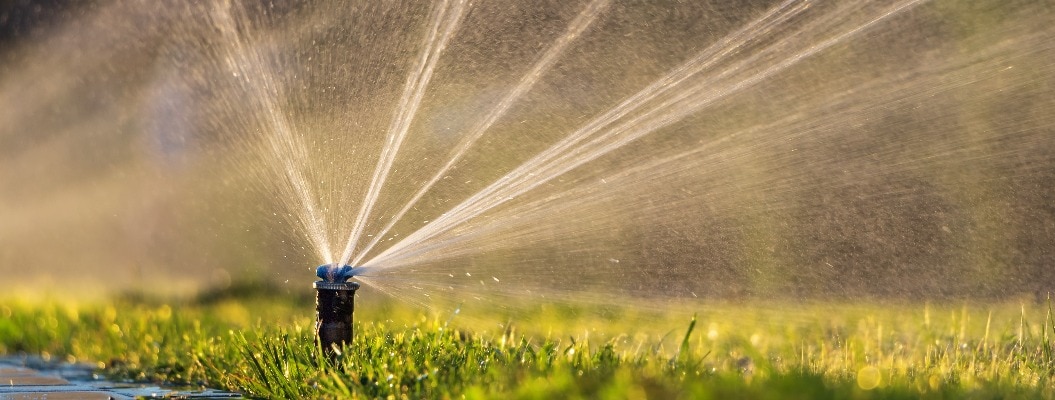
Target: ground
point(262, 345)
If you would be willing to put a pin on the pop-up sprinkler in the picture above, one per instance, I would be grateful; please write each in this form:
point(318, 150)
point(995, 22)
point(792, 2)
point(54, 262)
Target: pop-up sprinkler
point(334, 304)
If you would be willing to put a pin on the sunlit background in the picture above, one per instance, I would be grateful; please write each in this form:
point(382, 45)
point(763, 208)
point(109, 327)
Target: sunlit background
point(654, 150)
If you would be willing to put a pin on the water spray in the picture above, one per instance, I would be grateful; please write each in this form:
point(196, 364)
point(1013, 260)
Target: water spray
point(334, 304)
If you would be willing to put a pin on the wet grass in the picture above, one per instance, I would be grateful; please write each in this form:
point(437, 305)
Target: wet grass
point(263, 347)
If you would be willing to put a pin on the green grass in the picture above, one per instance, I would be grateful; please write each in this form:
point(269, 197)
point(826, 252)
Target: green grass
point(263, 347)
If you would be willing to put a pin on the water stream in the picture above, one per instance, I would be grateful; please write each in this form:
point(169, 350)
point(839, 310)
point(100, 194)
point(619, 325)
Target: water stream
point(507, 152)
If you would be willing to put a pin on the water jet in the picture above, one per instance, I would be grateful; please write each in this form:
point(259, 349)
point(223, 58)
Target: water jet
point(528, 152)
point(334, 305)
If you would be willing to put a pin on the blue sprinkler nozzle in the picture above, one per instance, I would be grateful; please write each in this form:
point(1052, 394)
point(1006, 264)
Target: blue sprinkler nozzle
point(333, 273)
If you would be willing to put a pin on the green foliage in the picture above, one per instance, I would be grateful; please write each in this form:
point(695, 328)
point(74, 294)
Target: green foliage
point(813, 351)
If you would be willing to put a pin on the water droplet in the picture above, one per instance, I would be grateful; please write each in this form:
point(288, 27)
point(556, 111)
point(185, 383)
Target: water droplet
point(868, 378)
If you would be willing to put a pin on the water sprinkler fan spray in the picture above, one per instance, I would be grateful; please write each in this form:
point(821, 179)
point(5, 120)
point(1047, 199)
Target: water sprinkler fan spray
point(334, 304)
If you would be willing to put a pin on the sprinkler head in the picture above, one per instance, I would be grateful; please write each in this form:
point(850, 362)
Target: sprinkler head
point(333, 273)
point(334, 305)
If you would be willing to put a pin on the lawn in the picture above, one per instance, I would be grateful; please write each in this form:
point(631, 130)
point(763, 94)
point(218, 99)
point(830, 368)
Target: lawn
point(261, 345)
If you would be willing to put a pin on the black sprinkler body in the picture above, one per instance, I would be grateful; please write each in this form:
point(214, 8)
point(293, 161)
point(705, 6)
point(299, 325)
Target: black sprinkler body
point(334, 305)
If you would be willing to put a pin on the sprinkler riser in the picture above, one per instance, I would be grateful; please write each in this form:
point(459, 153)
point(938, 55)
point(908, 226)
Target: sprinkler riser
point(334, 306)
